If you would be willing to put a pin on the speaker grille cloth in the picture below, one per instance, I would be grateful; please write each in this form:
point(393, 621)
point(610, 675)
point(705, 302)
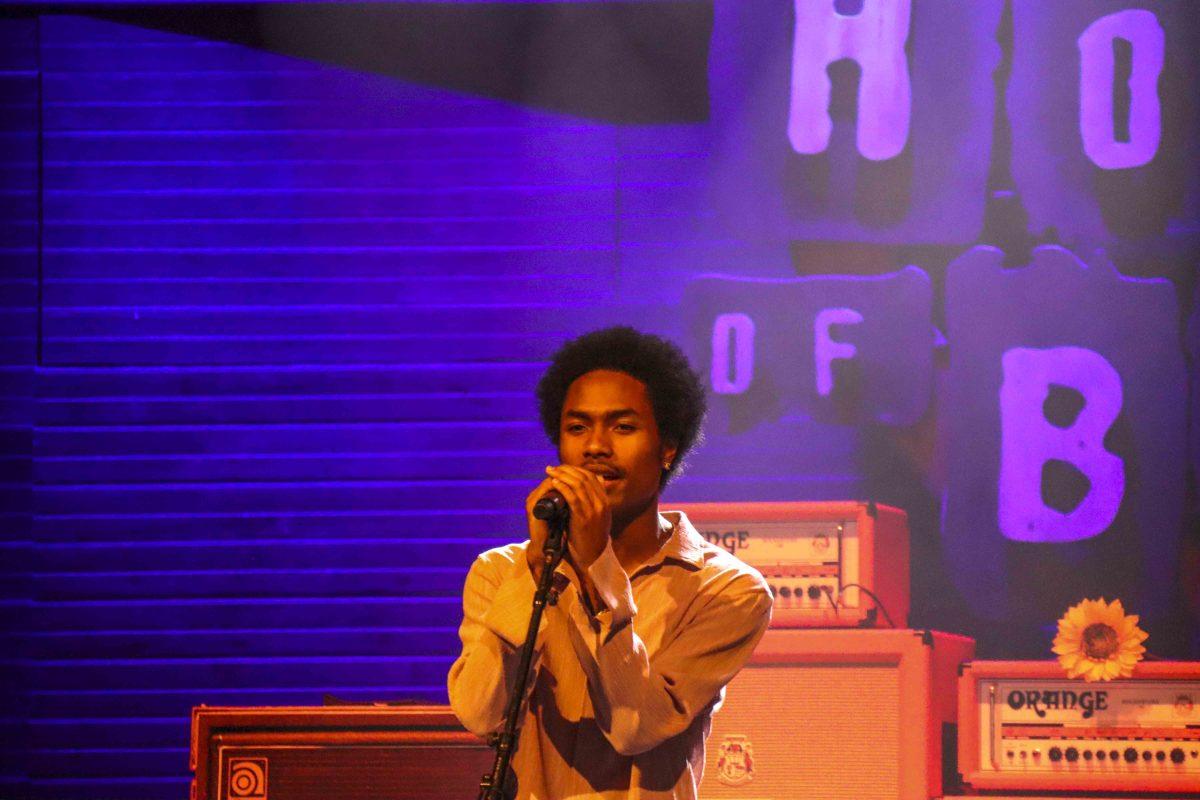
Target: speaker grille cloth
point(824, 732)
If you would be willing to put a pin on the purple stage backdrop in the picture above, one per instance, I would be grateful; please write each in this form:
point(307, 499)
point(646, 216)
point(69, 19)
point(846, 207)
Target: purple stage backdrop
point(279, 280)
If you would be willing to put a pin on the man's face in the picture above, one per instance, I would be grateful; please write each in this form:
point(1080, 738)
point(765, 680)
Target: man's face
point(607, 426)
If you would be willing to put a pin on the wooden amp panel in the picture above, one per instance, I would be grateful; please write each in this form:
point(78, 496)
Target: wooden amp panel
point(343, 752)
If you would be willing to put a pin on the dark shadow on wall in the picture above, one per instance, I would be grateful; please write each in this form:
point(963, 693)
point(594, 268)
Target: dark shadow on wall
point(630, 62)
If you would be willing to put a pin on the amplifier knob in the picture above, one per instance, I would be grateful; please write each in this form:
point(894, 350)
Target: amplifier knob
point(1177, 755)
point(1055, 754)
point(1160, 755)
point(814, 592)
point(1087, 755)
point(784, 591)
point(1072, 754)
point(1147, 755)
point(1100, 754)
point(1130, 755)
point(1114, 755)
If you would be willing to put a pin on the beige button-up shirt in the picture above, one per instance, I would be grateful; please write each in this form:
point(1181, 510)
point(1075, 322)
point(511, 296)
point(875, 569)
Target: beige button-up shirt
point(620, 703)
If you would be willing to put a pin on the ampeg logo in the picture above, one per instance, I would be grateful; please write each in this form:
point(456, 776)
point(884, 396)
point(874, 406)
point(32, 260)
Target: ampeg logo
point(247, 779)
point(735, 763)
point(1039, 702)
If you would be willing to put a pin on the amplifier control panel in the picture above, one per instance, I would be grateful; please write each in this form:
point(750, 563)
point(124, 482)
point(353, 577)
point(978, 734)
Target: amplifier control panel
point(1136, 734)
point(807, 564)
point(829, 564)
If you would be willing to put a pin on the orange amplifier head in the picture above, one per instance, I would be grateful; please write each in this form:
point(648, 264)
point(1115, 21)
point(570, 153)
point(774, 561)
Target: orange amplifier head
point(1024, 726)
point(817, 557)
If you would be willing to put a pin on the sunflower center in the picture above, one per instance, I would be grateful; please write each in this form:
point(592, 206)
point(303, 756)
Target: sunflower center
point(1100, 641)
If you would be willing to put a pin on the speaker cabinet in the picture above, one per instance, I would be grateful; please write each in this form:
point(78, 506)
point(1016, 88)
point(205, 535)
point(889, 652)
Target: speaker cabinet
point(838, 715)
point(343, 752)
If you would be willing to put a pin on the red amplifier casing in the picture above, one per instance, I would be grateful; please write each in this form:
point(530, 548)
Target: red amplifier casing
point(352, 752)
point(813, 553)
point(1025, 726)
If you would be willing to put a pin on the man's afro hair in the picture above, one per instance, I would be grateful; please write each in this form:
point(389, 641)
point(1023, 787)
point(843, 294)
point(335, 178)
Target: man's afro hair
point(676, 391)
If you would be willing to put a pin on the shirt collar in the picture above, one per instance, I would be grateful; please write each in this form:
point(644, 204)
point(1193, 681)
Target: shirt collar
point(685, 543)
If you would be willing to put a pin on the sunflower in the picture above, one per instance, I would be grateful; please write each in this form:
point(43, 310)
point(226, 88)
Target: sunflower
point(1098, 642)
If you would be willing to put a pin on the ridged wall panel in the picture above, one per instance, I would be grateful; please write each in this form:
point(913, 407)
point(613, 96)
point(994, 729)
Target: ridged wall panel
point(19, 211)
point(291, 320)
point(292, 316)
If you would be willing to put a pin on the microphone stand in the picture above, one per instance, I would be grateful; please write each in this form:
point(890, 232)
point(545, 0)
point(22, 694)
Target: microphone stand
point(491, 786)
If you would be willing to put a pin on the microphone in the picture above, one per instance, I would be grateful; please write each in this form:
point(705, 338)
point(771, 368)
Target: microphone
point(552, 506)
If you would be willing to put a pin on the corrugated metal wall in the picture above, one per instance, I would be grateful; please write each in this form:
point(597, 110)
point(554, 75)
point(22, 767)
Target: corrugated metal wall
point(292, 316)
point(18, 352)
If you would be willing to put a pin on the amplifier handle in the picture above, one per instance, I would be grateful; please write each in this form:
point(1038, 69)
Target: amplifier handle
point(993, 728)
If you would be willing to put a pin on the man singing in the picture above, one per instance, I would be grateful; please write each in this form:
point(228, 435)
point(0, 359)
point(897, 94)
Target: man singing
point(651, 620)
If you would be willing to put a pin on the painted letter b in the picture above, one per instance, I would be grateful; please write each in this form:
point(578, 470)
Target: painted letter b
point(1028, 440)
